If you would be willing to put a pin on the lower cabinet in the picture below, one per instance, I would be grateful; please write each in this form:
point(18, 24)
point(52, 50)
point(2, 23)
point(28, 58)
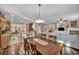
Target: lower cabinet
point(4, 41)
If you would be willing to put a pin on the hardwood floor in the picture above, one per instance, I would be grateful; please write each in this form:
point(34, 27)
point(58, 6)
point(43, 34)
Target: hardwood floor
point(70, 51)
point(13, 49)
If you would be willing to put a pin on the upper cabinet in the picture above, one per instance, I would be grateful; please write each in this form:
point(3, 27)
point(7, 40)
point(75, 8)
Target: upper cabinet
point(78, 23)
point(46, 27)
point(4, 23)
point(74, 23)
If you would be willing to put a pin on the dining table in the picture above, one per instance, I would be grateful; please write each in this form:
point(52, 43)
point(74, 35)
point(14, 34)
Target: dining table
point(47, 47)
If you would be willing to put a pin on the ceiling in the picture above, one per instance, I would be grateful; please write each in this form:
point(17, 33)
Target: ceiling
point(49, 12)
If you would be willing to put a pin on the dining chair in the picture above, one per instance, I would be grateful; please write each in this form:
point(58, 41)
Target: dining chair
point(3, 50)
point(29, 48)
point(26, 46)
point(32, 49)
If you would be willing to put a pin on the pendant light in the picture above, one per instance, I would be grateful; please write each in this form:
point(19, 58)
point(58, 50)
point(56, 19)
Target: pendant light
point(39, 20)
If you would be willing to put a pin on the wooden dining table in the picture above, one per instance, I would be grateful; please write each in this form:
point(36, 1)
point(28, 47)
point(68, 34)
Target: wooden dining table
point(50, 48)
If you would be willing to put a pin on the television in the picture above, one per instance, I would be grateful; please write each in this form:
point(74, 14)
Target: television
point(61, 29)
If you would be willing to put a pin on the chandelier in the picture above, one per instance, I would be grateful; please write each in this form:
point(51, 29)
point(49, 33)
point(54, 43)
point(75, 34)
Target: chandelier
point(39, 20)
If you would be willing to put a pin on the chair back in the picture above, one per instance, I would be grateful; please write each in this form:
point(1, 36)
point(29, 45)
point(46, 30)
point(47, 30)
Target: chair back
point(32, 49)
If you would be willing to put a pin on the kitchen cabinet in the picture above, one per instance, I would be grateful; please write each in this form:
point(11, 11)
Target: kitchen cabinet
point(4, 41)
